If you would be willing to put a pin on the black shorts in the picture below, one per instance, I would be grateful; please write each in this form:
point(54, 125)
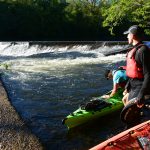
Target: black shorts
point(133, 93)
point(134, 86)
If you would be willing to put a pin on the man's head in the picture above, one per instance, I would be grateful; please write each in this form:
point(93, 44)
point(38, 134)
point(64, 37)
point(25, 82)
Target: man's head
point(134, 33)
point(108, 74)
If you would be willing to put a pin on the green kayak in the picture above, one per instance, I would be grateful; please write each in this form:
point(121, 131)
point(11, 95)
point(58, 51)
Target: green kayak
point(96, 108)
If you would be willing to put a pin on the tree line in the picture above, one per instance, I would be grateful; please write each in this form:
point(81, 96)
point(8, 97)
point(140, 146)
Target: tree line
point(71, 20)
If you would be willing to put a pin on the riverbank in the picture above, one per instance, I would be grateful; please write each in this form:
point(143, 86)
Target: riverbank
point(14, 134)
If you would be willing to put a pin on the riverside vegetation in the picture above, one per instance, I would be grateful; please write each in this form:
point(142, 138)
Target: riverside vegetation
point(71, 19)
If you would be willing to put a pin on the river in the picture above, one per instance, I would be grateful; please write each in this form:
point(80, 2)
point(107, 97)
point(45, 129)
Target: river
point(47, 81)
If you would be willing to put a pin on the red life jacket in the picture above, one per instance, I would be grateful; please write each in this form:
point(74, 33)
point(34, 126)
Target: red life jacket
point(133, 69)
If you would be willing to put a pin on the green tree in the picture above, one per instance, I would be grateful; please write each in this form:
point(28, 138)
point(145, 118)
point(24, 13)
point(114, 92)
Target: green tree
point(121, 12)
point(85, 18)
point(52, 20)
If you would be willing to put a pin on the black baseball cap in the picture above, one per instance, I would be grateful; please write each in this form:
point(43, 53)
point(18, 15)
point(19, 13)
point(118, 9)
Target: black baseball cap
point(135, 29)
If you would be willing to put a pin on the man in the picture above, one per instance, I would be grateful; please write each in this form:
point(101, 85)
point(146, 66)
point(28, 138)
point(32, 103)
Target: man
point(137, 67)
point(119, 80)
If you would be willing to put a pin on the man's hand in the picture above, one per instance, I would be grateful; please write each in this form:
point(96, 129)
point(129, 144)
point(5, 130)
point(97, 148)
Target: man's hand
point(125, 92)
point(106, 96)
point(140, 102)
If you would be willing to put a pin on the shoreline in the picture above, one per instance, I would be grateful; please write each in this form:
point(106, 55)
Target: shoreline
point(14, 133)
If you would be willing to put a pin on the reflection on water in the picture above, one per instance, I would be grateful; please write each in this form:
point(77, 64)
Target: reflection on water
point(48, 86)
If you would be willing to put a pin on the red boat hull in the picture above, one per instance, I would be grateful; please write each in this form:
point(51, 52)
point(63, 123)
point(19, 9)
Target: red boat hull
point(135, 138)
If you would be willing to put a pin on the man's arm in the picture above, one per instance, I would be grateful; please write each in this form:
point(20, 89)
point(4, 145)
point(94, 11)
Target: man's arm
point(114, 90)
point(144, 57)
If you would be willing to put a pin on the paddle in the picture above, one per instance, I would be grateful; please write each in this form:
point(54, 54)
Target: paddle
point(122, 51)
point(119, 51)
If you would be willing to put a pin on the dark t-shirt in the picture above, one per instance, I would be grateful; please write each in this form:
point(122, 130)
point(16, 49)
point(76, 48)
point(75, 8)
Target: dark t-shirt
point(142, 57)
